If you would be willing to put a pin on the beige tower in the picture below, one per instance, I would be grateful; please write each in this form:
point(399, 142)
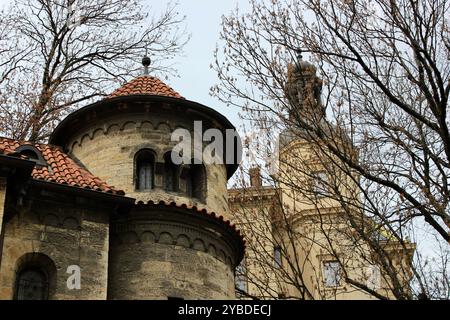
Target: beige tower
point(301, 243)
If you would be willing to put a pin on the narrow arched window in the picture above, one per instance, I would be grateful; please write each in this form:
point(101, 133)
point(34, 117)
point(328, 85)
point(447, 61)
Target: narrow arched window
point(171, 174)
point(145, 169)
point(195, 177)
point(31, 284)
point(198, 181)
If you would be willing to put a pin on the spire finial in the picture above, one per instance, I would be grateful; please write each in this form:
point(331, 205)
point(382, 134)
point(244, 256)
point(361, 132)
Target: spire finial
point(299, 54)
point(146, 62)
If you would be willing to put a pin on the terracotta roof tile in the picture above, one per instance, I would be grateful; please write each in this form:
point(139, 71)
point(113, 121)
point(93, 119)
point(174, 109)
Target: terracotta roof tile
point(145, 85)
point(61, 168)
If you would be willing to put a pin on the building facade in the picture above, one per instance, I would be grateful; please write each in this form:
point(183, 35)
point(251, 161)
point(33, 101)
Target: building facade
point(103, 212)
point(163, 231)
point(300, 226)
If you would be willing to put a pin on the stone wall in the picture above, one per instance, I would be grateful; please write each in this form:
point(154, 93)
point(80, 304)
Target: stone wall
point(69, 231)
point(3, 185)
point(165, 252)
point(108, 149)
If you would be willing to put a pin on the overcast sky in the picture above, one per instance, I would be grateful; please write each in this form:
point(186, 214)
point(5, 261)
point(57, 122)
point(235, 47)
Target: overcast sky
point(203, 19)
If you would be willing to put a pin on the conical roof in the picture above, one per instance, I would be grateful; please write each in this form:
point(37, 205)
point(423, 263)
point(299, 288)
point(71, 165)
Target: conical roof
point(145, 85)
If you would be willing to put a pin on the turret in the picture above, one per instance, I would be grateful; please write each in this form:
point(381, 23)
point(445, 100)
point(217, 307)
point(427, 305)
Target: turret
point(177, 240)
point(303, 91)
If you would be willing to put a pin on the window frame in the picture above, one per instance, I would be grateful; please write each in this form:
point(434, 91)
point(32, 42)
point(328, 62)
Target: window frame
point(143, 153)
point(319, 185)
point(188, 173)
point(373, 274)
point(337, 280)
point(240, 276)
point(173, 170)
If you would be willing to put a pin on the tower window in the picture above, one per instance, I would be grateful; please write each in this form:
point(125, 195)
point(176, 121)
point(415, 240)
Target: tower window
point(171, 174)
point(145, 169)
point(277, 256)
point(332, 273)
point(320, 183)
point(32, 284)
point(197, 182)
point(194, 177)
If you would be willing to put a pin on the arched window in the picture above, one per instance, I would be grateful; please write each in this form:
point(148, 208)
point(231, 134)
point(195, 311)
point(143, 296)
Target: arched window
point(35, 277)
point(31, 153)
point(32, 284)
point(199, 181)
point(144, 169)
point(195, 176)
point(171, 174)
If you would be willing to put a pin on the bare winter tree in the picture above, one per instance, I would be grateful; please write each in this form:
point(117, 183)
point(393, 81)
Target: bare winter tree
point(62, 53)
point(376, 114)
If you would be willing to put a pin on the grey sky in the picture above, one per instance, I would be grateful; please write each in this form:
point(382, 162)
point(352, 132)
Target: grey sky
point(203, 19)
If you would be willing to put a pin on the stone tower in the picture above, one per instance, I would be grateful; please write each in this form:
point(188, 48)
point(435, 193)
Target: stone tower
point(175, 241)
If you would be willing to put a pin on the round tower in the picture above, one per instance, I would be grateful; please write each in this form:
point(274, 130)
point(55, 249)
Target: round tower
point(177, 240)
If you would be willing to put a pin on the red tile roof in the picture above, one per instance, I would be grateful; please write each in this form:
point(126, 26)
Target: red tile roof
point(61, 168)
point(145, 85)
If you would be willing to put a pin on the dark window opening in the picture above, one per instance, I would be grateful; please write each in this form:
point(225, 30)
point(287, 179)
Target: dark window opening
point(145, 170)
point(31, 284)
point(30, 154)
point(196, 182)
point(171, 174)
